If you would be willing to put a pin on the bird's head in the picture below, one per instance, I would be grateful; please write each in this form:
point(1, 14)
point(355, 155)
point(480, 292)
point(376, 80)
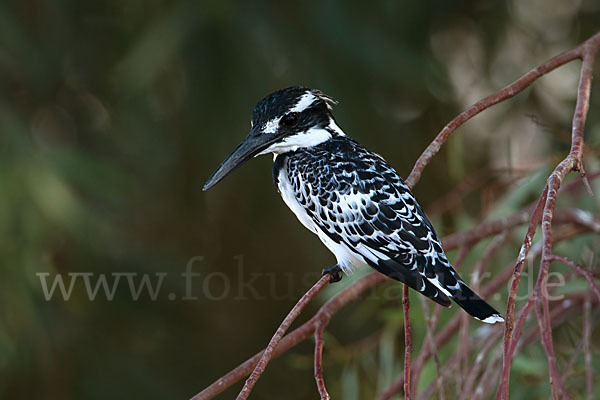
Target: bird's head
point(284, 121)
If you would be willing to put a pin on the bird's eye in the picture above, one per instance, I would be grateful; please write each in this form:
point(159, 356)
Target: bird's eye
point(289, 119)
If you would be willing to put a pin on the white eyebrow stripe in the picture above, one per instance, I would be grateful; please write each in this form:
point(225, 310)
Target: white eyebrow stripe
point(305, 101)
point(311, 137)
point(272, 125)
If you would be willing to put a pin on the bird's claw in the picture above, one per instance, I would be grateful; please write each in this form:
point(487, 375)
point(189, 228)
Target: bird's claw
point(335, 272)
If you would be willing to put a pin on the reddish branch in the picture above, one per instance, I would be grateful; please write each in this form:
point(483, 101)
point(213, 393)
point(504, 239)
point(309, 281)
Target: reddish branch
point(560, 311)
point(301, 333)
point(484, 345)
point(452, 327)
point(347, 296)
point(580, 270)
point(512, 345)
point(478, 364)
point(431, 324)
point(512, 294)
point(484, 230)
point(291, 317)
point(319, 362)
point(444, 336)
point(573, 162)
point(544, 210)
point(587, 49)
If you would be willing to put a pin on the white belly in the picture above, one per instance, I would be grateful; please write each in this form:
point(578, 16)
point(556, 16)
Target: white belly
point(347, 259)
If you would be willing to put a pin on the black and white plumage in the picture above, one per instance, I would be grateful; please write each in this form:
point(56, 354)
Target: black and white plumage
point(350, 197)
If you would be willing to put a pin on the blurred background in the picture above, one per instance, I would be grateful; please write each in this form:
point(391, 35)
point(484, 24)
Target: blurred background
point(113, 114)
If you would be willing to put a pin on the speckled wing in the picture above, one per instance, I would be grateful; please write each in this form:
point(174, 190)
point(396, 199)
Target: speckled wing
point(362, 204)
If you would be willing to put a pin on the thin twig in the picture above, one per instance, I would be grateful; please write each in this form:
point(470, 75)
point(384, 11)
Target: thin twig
point(444, 336)
point(350, 294)
point(542, 312)
point(430, 325)
point(301, 333)
point(486, 342)
point(482, 265)
point(559, 313)
point(291, 317)
point(580, 270)
point(512, 296)
point(575, 184)
point(319, 362)
point(580, 348)
point(478, 364)
point(495, 227)
point(573, 162)
point(452, 327)
point(484, 230)
point(507, 92)
point(586, 51)
point(535, 251)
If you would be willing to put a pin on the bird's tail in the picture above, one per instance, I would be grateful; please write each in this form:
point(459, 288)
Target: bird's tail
point(475, 305)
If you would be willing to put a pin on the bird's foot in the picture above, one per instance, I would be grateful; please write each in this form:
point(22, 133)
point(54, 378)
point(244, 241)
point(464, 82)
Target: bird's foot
point(335, 272)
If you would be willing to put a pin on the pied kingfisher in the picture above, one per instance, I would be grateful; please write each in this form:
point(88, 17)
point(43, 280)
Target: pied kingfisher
point(351, 198)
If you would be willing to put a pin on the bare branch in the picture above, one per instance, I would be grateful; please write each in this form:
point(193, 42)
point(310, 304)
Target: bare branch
point(586, 51)
point(319, 362)
point(573, 162)
point(579, 269)
point(298, 335)
point(452, 327)
point(291, 317)
point(512, 296)
point(509, 91)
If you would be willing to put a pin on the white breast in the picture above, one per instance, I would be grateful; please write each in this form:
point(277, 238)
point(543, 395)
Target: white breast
point(347, 259)
point(287, 192)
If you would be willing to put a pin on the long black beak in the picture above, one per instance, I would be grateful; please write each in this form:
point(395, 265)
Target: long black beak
point(253, 144)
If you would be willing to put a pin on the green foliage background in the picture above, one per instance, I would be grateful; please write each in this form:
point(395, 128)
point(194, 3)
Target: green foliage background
point(112, 115)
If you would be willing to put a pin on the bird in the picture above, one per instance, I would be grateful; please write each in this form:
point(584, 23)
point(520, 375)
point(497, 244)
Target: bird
point(350, 197)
